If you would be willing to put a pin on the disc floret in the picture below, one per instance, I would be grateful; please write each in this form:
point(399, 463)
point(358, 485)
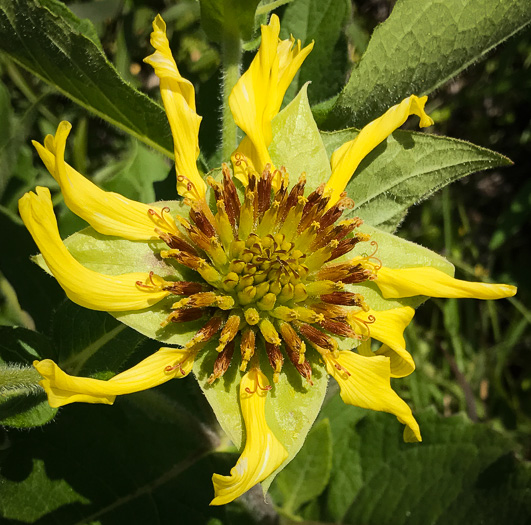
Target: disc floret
point(266, 260)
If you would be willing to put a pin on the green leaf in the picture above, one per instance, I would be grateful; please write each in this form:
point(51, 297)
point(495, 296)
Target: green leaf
point(135, 175)
point(421, 46)
point(228, 17)
point(320, 21)
point(91, 343)
point(47, 39)
point(23, 403)
point(460, 473)
point(297, 144)
point(11, 313)
point(291, 407)
point(307, 475)
point(143, 460)
point(407, 168)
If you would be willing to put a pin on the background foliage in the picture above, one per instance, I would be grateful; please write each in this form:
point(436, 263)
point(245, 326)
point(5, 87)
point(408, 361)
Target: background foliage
point(149, 458)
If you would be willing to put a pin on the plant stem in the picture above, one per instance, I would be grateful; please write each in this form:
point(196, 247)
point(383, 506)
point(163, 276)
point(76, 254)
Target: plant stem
point(232, 53)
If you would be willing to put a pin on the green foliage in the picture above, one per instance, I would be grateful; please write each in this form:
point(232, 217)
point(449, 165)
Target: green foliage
point(321, 22)
point(418, 48)
point(297, 144)
point(65, 52)
point(308, 474)
point(135, 462)
point(221, 18)
point(415, 166)
point(22, 402)
point(460, 473)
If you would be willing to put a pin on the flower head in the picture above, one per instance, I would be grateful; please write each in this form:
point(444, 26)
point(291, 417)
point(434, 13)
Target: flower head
point(276, 273)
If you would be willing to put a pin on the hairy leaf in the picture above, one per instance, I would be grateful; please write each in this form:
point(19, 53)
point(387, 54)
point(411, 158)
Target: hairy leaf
point(407, 168)
point(460, 473)
point(420, 47)
point(51, 42)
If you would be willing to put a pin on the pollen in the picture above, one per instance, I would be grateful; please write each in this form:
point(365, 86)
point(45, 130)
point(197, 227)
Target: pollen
point(268, 271)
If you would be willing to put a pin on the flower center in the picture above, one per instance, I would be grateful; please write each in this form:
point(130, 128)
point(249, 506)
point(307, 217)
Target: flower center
point(266, 265)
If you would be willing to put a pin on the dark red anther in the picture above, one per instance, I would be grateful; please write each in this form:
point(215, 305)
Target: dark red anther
point(232, 201)
point(315, 335)
point(201, 221)
point(344, 246)
point(183, 315)
point(343, 298)
point(338, 327)
point(222, 362)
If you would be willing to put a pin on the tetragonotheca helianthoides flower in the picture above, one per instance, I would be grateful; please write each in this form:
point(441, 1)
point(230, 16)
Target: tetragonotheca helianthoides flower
point(276, 280)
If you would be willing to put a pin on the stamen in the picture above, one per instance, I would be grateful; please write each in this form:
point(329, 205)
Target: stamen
point(276, 360)
point(183, 315)
point(247, 347)
point(344, 298)
point(339, 328)
point(316, 337)
point(229, 331)
point(222, 362)
point(231, 197)
point(184, 287)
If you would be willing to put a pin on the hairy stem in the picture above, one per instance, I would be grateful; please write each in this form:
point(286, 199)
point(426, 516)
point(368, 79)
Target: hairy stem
point(19, 380)
point(232, 53)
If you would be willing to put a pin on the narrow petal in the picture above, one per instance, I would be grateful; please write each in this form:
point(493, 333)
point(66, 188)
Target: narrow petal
point(347, 158)
point(83, 286)
point(263, 452)
point(387, 326)
point(178, 98)
point(365, 382)
point(107, 212)
point(425, 280)
point(163, 365)
point(257, 96)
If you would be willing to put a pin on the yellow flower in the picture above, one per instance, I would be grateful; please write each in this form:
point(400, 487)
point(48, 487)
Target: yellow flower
point(273, 274)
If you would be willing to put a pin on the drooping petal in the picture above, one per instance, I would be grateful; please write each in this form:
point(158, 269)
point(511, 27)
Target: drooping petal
point(83, 286)
point(163, 365)
point(107, 212)
point(263, 452)
point(365, 382)
point(347, 157)
point(426, 280)
point(178, 97)
point(257, 96)
point(387, 326)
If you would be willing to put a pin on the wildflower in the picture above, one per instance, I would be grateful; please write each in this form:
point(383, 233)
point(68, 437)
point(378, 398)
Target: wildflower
point(275, 275)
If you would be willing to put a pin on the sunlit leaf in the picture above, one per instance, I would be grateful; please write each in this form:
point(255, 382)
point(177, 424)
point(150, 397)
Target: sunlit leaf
point(51, 42)
point(407, 168)
point(421, 46)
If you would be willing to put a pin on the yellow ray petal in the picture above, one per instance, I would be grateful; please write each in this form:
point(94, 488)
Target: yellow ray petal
point(107, 212)
point(83, 286)
point(365, 382)
point(387, 326)
point(178, 97)
point(163, 365)
point(257, 96)
point(408, 282)
point(263, 452)
point(347, 157)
